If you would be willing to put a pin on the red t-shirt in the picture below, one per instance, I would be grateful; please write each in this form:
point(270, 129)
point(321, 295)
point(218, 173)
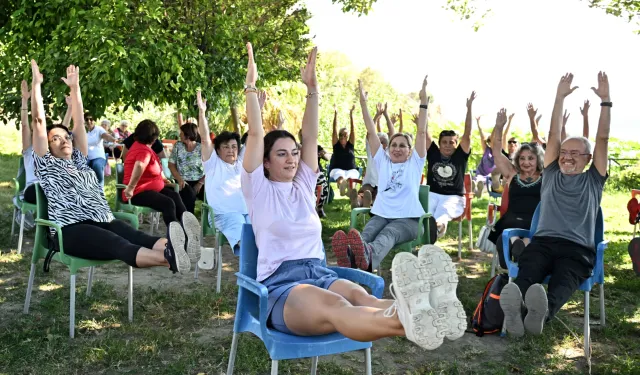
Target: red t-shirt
point(151, 178)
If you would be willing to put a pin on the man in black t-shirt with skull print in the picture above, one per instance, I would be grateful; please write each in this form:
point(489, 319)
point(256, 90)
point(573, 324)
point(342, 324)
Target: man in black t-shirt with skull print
point(446, 166)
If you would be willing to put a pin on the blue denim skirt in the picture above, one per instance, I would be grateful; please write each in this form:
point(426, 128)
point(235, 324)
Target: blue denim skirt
point(288, 275)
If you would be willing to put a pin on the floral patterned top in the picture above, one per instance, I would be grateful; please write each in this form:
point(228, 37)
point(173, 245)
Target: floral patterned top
point(189, 164)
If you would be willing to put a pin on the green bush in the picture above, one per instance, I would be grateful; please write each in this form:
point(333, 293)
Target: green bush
point(623, 180)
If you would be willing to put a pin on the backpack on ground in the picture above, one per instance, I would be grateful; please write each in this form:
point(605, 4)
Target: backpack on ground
point(488, 316)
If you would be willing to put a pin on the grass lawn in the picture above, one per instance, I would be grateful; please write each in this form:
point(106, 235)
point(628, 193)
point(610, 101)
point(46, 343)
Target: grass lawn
point(181, 326)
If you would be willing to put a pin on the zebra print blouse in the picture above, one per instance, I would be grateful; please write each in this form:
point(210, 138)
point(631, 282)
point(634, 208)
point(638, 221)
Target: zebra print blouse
point(72, 189)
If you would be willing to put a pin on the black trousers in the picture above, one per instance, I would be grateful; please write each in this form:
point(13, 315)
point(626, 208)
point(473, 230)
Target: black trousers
point(30, 194)
point(167, 201)
point(105, 241)
point(508, 221)
point(568, 263)
point(188, 195)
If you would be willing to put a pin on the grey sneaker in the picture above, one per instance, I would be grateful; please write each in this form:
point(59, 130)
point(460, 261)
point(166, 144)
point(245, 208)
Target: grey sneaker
point(174, 250)
point(511, 304)
point(193, 232)
point(537, 309)
point(437, 268)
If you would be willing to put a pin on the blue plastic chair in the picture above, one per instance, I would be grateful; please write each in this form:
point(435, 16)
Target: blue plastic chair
point(597, 275)
point(251, 315)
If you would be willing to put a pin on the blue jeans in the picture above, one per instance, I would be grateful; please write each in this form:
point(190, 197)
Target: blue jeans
point(98, 167)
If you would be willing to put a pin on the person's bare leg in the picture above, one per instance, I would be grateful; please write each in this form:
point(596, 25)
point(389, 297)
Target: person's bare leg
point(310, 310)
point(160, 244)
point(150, 258)
point(357, 295)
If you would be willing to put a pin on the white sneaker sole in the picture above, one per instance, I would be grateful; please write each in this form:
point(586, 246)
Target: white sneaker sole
point(193, 231)
point(437, 266)
point(537, 307)
point(176, 234)
point(412, 293)
point(511, 304)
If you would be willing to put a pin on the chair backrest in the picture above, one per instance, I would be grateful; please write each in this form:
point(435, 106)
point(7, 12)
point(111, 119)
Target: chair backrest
point(423, 196)
point(248, 252)
point(119, 180)
point(599, 233)
point(42, 211)
point(165, 168)
point(504, 201)
point(468, 196)
point(22, 174)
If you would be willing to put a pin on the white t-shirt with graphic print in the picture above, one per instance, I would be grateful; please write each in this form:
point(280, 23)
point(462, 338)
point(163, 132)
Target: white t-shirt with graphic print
point(398, 186)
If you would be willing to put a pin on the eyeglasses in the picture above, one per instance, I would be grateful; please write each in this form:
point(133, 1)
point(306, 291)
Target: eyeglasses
point(58, 138)
point(574, 154)
point(401, 146)
point(513, 142)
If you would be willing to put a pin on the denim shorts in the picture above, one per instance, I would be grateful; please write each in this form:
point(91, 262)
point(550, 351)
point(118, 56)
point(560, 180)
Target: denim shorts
point(288, 275)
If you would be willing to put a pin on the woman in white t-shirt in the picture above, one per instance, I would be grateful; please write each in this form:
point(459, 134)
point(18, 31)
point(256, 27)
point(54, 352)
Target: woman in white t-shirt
point(96, 135)
point(306, 298)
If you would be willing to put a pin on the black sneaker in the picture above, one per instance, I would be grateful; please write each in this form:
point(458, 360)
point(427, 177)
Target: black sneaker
point(193, 231)
point(433, 230)
point(174, 250)
point(517, 248)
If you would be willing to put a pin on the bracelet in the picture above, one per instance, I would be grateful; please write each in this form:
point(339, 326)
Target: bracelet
point(312, 93)
point(250, 90)
point(424, 106)
point(606, 104)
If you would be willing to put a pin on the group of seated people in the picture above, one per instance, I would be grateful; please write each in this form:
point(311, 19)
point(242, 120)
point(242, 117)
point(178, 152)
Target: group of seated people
point(272, 181)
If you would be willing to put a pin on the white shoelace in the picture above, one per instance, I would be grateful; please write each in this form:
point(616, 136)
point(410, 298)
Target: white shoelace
point(393, 309)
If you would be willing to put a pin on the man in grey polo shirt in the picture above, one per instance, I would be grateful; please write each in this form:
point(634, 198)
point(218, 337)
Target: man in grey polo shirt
point(563, 245)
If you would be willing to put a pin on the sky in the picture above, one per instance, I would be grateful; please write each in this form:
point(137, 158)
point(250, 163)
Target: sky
point(518, 56)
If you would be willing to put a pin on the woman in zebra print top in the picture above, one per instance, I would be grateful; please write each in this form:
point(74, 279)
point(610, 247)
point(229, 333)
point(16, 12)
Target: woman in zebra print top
point(76, 200)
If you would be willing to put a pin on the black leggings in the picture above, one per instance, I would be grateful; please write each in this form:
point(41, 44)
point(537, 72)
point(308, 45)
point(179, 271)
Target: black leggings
point(189, 195)
point(166, 201)
point(30, 194)
point(105, 241)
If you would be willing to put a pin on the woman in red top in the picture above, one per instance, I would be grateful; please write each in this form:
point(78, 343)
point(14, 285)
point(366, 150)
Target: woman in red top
point(144, 179)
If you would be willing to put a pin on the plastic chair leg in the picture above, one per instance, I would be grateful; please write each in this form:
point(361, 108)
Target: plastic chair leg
point(219, 278)
point(602, 315)
point(367, 361)
point(460, 240)
point(587, 328)
point(232, 353)
point(21, 233)
point(130, 294)
point(274, 367)
point(15, 211)
point(72, 306)
point(314, 365)
point(27, 298)
point(90, 280)
point(470, 235)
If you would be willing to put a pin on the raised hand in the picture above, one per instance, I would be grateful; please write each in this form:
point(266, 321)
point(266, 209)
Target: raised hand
point(281, 119)
point(308, 72)
point(564, 87)
point(565, 117)
point(478, 118)
point(379, 111)
point(424, 98)
point(470, 99)
point(394, 118)
point(415, 118)
point(26, 94)
point(202, 104)
point(501, 120)
point(363, 94)
point(35, 72)
point(511, 116)
point(73, 77)
point(384, 110)
point(585, 110)
point(262, 98)
point(603, 87)
point(531, 111)
point(252, 68)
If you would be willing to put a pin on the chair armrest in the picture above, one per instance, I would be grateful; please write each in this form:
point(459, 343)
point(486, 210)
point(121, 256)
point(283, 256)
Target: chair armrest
point(506, 235)
point(376, 283)
point(51, 224)
point(424, 219)
point(122, 186)
point(175, 187)
point(259, 290)
point(16, 185)
point(354, 215)
point(131, 218)
point(598, 270)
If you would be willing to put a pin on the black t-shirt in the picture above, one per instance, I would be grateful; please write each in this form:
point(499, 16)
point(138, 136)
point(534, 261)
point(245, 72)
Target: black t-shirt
point(506, 154)
point(343, 157)
point(157, 146)
point(445, 176)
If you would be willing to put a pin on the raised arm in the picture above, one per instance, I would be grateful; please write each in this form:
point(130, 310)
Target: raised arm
point(334, 135)
point(66, 121)
point(390, 121)
point(203, 127)
point(584, 111)
point(254, 153)
point(503, 164)
point(563, 133)
point(378, 115)
point(601, 151)
point(281, 120)
point(40, 142)
point(79, 132)
point(505, 134)
point(24, 116)
point(555, 130)
point(401, 128)
point(421, 132)
point(465, 141)
point(535, 137)
point(352, 131)
point(310, 118)
point(372, 137)
point(179, 119)
point(482, 136)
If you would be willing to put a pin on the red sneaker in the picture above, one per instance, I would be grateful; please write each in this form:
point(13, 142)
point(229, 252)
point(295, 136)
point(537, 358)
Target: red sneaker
point(633, 208)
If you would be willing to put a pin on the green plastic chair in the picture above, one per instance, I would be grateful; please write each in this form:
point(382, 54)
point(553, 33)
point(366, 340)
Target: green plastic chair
point(40, 250)
point(209, 229)
point(24, 207)
point(423, 237)
point(122, 206)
